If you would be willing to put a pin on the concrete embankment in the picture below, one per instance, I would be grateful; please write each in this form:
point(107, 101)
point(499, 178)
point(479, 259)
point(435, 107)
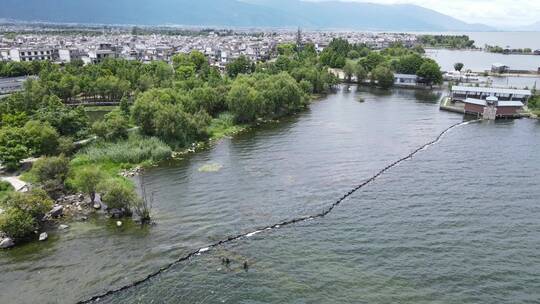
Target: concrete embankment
point(447, 105)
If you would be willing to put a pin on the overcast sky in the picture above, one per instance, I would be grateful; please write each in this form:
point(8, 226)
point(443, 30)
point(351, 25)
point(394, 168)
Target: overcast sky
point(500, 13)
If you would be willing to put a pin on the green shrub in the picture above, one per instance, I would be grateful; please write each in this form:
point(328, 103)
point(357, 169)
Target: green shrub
point(17, 223)
point(66, 146)
point(5, 189)
point(42, 138)
point(35, 203)
point(23, 212)
point(13, 147)
point(51, 174)
point(5, 186)
point(47, 168)
point(87, 181)
point(117, 195)
point(113, 127)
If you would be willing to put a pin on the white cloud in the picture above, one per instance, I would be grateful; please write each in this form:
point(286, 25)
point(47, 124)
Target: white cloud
point(501, 13)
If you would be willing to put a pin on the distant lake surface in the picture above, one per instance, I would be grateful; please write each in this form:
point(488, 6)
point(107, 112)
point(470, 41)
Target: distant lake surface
point(480, 61)
point(515, 40)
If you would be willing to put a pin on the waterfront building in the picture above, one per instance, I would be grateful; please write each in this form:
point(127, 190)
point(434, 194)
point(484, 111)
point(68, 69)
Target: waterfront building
point(406, 80)
point(491, 103)
point(499, 68)
point(467, 77)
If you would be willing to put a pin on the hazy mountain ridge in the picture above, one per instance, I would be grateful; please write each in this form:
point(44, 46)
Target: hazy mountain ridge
point(237, 13)
point(531, 27)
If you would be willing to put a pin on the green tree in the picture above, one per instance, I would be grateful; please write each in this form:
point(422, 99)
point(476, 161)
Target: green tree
point(349, 70)
point(185, 72)
point(419, 49)
point(243, 101)
point(353, 54)
point(208, 99)
point(409, 64)
point(67, 121)
point(360, 73)
point(458, 66)
point(118, 195)
point(195, 60)
point(13, 147)
point(66, 145)
point(42, 139)
point(17, 119)
point(198, 60)
point(147, 105)
point(280, 95)
point(175, 126)
point(51, 173)
point(125, 106)
point(430, 72)
point(240, 65)
point(286, 49)
point(372, 60)
point(87, 181)
point(382, 76)
point(306, 86)
point(114, 126)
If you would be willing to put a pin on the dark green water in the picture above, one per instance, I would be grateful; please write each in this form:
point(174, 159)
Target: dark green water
point(456, 224)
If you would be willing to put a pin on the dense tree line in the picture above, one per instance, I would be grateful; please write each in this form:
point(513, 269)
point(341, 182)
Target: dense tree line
point(15, 69)
point(380, 66)
point(447, 41)
point(339, 49)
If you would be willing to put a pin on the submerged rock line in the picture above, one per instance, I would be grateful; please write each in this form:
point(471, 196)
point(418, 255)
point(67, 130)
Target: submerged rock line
point(274, 226)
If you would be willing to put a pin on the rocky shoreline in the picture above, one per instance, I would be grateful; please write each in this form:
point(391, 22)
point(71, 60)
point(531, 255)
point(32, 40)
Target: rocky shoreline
point(67, 208)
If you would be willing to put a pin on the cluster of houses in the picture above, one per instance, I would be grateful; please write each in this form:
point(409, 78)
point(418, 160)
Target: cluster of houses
point(219, 46)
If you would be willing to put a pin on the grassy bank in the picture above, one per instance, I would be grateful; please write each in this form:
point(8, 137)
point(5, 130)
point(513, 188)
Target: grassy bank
point(111, 158)
point(5, 189)
point(224, 125)
point(534, 106)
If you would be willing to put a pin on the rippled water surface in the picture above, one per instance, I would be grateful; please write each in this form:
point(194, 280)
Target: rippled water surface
point(456, 224)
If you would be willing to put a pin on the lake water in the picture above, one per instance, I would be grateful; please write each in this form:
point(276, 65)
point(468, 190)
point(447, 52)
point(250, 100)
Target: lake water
point(514, 40)
point(458, 223)
point(479, 61)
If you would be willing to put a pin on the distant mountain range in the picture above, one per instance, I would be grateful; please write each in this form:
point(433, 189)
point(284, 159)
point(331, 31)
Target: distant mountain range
point(237, 13)
point(532, 27)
